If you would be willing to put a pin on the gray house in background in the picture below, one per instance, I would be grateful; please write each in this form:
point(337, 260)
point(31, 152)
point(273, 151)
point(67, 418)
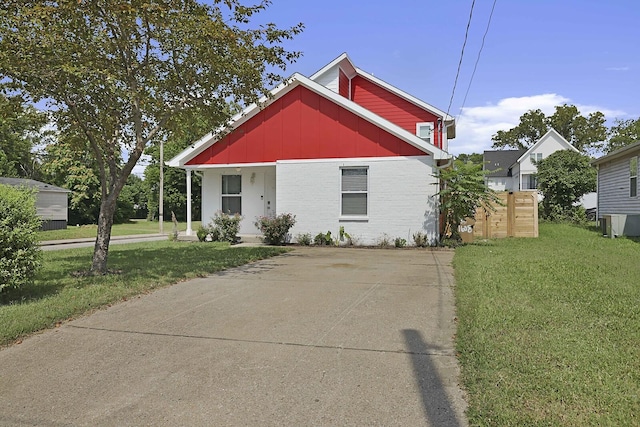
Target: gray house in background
point(618, 195)
point(51, 201)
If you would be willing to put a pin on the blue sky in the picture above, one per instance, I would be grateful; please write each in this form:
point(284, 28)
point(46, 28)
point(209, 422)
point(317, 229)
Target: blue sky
point(537, 54)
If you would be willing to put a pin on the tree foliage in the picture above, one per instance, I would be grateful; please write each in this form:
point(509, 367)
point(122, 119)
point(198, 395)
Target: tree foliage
point(585, 133)
point(20, 130)
point(564, 177)
point(475, 158)
point(462, 191)
point(120, 73)
point(19, 251)
point(623, 133)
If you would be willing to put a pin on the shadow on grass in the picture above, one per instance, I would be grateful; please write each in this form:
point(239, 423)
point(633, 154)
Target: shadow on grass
point(160, 263)
point(437, 406)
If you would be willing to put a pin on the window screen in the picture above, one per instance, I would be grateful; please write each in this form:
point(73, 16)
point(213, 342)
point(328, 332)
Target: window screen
point(354, 191)
point(231, 194)
point(633, 177)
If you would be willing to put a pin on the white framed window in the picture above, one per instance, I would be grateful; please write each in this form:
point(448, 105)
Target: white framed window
point(354, 189)
point(633, 176)
point(529, 182)
point(535, 157)
point(425, 131)
point(232, 194)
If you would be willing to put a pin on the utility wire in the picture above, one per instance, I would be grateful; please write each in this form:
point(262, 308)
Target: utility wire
point(477, 59)
point(466, 34)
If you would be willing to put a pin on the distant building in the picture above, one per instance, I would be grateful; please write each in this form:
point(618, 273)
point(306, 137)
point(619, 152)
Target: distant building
point(51, 201)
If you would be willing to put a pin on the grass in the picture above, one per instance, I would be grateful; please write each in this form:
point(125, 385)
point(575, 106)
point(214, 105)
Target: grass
point(549, 329)
point(135, 226)
point(57, 296)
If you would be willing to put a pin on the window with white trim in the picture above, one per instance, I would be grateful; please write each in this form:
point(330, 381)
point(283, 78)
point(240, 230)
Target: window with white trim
point(354, 191)
point(425, 131)
point(529, 182)
point(535, 157)
point(232, 194)
point(633, 176)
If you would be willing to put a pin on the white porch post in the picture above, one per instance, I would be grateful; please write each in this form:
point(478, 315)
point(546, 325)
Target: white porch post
point(189, 231)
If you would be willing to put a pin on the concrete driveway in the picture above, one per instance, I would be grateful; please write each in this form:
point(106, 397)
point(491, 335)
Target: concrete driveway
point(319, 336)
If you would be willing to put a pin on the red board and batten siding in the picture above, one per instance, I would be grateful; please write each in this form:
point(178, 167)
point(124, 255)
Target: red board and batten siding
point(343, 84)
point(303, 125)
point(392, 107)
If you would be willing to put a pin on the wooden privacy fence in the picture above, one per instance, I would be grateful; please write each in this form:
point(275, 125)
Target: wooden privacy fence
point(517, 218)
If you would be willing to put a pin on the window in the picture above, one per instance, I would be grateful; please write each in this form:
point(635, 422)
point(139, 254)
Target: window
point(633, 176)
point(425, 131)
point(231, 194)
point(529, 182)
point(354, 191)
point(535, 157)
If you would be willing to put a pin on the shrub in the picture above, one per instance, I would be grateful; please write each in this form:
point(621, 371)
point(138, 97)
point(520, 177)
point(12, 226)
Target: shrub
point(399, 242)
point(276, 229)
point(227, 226)
point(384, 241)
point(202, 233)
point(323, 239)
point(420, 239)
point(19, 251)
point(304, 239)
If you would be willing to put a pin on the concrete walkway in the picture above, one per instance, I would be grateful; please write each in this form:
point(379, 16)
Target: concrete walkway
point(319, 336)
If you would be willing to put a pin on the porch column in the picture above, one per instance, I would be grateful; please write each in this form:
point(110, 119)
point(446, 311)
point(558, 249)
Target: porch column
point(189, 231)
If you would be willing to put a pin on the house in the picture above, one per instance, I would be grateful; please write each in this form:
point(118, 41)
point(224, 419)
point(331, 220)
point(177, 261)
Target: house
point(340, 148)
point(618, 198)
point(51, 201)
point(515, 170)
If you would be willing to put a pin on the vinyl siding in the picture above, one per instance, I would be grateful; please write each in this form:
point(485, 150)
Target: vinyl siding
point(52, 206)
point(613, 188)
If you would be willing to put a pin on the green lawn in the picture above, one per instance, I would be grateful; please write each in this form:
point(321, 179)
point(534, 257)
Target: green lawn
point(549, 329)
point(136, 226)
point(57, 295)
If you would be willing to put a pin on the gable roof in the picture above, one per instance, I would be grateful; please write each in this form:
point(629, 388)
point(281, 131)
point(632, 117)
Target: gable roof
point(351, 71)
point(499, 162)
point(294, 81)
point(550, 132)
point(620, 152)
point(31, 183)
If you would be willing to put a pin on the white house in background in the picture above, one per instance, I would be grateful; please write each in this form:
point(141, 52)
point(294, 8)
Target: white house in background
point(618, 196)
point(519, 174)
point(51, 201)
point(341, 148)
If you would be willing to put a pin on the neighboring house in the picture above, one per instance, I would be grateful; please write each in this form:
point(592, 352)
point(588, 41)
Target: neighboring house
point(341, 148)
point(51, 201)
point(618, 196)
point(515, 170)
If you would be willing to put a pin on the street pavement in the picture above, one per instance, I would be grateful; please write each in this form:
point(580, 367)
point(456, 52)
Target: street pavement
point(315, 337)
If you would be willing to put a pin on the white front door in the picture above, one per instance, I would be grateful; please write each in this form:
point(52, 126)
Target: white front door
point(270, 194)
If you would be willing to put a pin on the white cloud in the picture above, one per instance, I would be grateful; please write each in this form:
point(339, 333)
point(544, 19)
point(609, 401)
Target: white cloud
point(476, 125)
point(139, 168)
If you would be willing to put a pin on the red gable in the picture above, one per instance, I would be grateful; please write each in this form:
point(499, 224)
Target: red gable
point(304, 125)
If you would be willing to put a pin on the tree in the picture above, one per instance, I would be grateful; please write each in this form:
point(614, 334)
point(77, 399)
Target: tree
point(120, 73)
point(20, 130)
point(564, 177)
point(584, 133)
point(462, 191)
point(623, 133)
point(475, 158)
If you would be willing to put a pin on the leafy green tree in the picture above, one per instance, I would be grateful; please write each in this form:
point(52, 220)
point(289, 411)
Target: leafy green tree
point(462, 191)
point(120, 73)
point(475, 158)
point(20, 130)
point(19, 251)
point(584, 133)
point(623, 133)
point(564, 177)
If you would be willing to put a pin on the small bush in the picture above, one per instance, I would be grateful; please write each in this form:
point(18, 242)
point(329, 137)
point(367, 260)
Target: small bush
point(304, 239)
point(383, 241)
point(19, 251)
point(399, 242)
point(276, 229)
point(202, 233)
point(420, 239)
point(227, 226)
point(323, 239)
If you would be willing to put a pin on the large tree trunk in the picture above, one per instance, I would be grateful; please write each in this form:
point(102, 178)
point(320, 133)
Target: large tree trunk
point(105, 222)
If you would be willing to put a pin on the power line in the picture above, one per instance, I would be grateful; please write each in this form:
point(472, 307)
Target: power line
point(478, 58)
point(466, 34)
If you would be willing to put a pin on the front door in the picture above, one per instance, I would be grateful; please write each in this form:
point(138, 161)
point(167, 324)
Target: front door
point(269, 194)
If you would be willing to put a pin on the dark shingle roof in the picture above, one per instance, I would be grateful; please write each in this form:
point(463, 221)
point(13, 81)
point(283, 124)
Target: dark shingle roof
point(31, 183)
point(500, 161)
